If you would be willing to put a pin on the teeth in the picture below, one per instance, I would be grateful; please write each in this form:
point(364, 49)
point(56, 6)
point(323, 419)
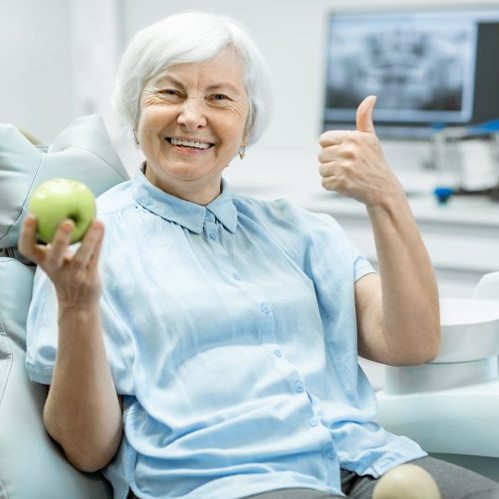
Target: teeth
point(189, 143)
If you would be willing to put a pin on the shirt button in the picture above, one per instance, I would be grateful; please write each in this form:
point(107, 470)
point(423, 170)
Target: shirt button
point(265, 308)
point(212, 235)
point(299, 387)
point(236, 276)
point(329, 454)
point(313, 422)
point(277, 353)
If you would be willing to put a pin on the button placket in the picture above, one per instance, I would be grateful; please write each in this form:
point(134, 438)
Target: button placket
point(267, 323)
point(210, 226)
point(313, 421)
point(211, 230)
point(298, 387)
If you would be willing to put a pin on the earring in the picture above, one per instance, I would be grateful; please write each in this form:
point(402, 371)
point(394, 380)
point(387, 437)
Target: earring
point(242, 151)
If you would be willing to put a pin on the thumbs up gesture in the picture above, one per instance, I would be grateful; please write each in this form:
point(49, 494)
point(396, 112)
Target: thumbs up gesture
point(352, 163)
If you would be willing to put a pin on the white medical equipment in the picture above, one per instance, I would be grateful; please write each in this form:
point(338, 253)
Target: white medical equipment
point(450, 406)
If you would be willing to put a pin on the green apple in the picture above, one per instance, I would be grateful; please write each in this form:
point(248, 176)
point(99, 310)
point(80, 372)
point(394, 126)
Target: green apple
point(60, 199)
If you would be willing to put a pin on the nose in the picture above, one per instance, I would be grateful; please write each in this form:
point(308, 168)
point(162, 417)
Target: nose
point(192, 115)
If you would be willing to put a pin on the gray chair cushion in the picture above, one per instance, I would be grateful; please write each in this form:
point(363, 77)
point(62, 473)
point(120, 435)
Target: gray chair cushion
point(32, 466)
point(83, 151)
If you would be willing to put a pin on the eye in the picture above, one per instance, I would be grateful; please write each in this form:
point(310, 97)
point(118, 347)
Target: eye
point(170, 93)
point(220, 98)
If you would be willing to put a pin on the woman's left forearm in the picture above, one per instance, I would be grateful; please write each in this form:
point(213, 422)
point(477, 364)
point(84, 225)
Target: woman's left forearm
point(410, 318)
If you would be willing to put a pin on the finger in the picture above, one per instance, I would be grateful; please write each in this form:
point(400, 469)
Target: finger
point(90, 245)
point(334, 183)
point(329, 153)
point(335, 137)
point(93, 264)
point(58, 247)
point(329, 183)
point(27, 244)
point(364, 116)
point(327, 169)
point(94, 260)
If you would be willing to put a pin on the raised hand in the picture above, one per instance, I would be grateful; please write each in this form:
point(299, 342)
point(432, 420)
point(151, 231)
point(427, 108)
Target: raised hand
point(74, 274)
point(352, 163)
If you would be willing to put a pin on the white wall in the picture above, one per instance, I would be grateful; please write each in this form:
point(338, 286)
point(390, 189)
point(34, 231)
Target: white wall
point(36, 90)
point(291, 34)
point(48, 74)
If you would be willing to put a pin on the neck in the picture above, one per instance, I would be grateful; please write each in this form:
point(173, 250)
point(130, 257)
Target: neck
point(193, 191)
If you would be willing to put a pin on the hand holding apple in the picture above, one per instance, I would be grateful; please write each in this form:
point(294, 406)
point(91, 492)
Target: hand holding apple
point(63, 211)
point(60, 199)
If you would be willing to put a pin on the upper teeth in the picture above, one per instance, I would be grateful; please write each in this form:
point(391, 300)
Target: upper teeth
point(189, 143)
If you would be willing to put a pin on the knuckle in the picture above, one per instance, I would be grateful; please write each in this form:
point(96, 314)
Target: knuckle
point(325, 182)
point(357, 137)
point(349, 152)
point(324, 169)
point(327, 138)
point(323, 139)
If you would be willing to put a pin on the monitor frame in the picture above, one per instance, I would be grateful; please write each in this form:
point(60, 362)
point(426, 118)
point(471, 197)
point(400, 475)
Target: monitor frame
point(399, 122)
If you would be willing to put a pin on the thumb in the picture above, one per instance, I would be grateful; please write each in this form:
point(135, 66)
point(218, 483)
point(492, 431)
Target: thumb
point(364, 117)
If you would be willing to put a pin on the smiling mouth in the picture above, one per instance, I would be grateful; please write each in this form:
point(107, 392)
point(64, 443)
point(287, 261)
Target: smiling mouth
point(189, 144)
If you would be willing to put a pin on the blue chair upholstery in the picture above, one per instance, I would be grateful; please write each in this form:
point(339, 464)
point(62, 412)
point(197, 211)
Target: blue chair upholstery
point(31, 465)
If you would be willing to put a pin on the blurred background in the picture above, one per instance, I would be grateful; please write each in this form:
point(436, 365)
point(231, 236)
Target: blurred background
point(427, 61)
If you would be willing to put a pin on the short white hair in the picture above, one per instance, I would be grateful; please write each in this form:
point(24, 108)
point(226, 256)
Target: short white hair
point(186, 38)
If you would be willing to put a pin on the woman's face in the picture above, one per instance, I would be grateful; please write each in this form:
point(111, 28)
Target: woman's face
point(192, 123)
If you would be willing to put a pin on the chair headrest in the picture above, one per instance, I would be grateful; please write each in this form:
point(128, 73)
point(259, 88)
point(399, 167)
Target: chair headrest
point(83, 151)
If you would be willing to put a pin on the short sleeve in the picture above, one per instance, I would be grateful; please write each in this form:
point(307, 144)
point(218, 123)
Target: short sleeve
point(362, 265)
point(316, 242)
point(42, 336)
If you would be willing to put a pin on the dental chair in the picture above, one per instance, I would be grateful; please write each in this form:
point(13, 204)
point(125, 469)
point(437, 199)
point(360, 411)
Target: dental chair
point(450, 406)
point(32, 466)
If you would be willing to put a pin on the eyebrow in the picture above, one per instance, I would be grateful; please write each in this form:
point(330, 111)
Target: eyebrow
point(213, 87)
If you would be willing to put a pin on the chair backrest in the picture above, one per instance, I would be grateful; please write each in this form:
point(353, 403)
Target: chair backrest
point(488, 287)
point(31, 464)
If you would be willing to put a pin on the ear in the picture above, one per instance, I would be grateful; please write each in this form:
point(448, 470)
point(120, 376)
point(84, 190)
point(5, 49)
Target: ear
point(244, 141)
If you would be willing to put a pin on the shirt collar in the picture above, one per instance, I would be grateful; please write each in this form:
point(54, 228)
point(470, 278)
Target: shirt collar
point(189, 215)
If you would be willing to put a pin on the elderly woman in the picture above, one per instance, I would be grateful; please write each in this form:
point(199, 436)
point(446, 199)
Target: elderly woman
point(207, 346)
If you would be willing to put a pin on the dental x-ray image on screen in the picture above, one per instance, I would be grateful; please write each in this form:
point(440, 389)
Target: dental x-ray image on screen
point(422, 66)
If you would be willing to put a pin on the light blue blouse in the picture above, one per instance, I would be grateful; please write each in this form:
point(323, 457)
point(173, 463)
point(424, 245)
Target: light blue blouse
point(230, 330)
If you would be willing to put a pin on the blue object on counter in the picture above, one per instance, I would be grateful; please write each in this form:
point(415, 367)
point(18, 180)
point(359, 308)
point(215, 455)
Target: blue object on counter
point(443, 194)
point(491, 126)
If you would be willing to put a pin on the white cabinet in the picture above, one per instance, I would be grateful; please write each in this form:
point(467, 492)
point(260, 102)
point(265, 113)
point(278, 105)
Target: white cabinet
point(462, 237)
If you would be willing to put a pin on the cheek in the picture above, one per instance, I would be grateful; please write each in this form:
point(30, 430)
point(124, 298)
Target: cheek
point(150, 126)
point(236, 124)
point(244, 118)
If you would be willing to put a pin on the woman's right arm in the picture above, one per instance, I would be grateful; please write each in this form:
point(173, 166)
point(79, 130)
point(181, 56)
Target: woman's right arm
point(82, 412)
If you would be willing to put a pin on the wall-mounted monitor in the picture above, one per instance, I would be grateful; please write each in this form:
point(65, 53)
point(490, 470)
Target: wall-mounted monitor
point(428, 67)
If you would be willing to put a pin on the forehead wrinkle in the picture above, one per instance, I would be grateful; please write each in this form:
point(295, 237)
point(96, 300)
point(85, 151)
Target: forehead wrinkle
point(167, 76)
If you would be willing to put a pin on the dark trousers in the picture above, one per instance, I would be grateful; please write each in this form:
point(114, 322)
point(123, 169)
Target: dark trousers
point(454, 482)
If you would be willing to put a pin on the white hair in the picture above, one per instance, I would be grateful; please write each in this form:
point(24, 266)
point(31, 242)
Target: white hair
point(186, 38)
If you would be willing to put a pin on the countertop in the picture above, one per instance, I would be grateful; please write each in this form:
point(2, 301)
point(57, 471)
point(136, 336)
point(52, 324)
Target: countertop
point(272, 175)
